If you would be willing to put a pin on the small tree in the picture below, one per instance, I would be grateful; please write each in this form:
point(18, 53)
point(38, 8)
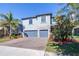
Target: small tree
point(65, 23)
point(63, 29)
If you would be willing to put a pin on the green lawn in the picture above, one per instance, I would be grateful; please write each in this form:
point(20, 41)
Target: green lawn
point(76, 37)
point(65, 49)
point(4, 39)
point(50, 47)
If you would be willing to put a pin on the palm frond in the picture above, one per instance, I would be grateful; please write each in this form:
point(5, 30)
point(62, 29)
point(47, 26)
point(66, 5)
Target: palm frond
point(15, 23)
point(10, 16)
point(74, 5)
point(64, 9)
point(4, 16)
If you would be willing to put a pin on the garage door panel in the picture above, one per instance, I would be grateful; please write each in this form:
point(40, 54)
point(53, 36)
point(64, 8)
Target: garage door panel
point(31, 33)
point(43, 33)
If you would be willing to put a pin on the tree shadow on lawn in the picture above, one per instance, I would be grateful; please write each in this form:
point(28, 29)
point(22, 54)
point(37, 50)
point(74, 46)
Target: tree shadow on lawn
point(71, 49)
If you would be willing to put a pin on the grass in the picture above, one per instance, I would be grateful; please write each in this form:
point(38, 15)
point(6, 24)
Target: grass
point(65, 49)
point(50, 47)
point(4, 39)
point(76, 37)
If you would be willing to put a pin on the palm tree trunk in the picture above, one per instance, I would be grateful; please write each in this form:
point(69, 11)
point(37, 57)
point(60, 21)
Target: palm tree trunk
point(10, 32)
point(4, 31)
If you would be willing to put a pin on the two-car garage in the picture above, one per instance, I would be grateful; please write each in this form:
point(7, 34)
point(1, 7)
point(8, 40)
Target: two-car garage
point(36, 33)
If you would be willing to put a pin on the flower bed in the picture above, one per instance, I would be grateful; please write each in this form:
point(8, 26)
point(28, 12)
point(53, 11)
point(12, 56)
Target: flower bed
point(66, 41)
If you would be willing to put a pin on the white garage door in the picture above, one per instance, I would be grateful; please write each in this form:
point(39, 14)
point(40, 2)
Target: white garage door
point(43, 33)
point(31, 33)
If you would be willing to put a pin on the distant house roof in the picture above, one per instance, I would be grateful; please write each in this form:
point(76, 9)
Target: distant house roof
point(37, 16)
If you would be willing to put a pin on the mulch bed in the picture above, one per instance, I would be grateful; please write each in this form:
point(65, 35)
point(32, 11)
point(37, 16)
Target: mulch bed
point(65, 41)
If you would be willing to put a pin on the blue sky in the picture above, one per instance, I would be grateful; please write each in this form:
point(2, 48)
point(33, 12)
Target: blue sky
point(22, 10)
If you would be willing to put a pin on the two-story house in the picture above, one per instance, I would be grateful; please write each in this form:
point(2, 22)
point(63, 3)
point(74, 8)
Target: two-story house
point(37, 26)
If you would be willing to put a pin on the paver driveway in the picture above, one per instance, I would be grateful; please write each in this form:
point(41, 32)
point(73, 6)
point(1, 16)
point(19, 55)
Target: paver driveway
point(29, 43)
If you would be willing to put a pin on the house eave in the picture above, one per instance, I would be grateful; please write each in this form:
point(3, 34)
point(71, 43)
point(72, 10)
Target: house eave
point(37, 16)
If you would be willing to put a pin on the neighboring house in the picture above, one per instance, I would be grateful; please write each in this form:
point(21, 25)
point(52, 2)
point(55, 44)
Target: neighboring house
point(75, 31)
point(1, 32)
point(38, 26)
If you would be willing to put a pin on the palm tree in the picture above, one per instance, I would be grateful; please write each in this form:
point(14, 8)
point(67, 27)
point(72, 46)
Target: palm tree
point(3, 24)
point(70, 9)
point(10, 22)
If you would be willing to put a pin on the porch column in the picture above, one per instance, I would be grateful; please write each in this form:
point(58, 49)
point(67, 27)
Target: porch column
point(38, 35)
point(23, 33)
point(49, 31)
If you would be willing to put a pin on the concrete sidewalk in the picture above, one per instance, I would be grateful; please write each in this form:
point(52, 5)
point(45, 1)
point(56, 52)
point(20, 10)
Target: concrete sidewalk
point(13, 51)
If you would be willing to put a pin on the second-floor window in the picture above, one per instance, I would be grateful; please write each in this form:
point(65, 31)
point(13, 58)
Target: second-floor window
point(43, 19)
point(30, 21)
